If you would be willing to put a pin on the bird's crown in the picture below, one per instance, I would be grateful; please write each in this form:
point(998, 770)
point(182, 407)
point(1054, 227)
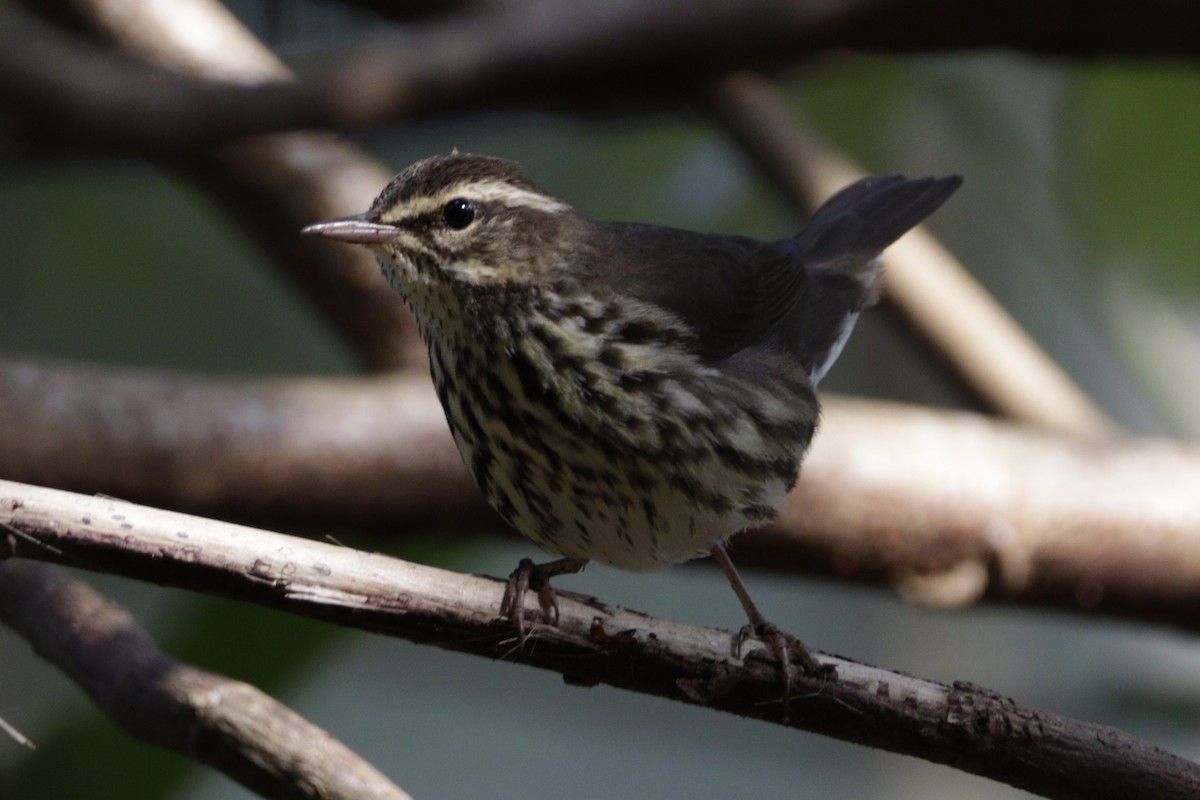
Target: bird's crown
point(485, 181)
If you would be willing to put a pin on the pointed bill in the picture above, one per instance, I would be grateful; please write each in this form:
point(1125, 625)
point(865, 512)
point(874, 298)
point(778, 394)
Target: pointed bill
point(353, 230)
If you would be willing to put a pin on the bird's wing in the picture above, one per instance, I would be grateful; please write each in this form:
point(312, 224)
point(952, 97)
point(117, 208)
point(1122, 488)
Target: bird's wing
point(730, 290)
point(798, 293)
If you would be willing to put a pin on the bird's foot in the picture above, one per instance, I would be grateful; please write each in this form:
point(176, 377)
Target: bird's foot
point(784, 646)
point(788, 650)
point(536, 577)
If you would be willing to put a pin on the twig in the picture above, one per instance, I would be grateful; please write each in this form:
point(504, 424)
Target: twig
point(16, 735)
point(227, 724)
point(960, 725)
point(937, 296)
point(951, 507)
point(20, 534)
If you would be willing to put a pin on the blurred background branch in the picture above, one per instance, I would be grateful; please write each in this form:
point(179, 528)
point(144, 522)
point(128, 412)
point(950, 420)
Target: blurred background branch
point(994, 357)
point(950, 507)
point(68, 95)
point(220, 722)
point(271, 186)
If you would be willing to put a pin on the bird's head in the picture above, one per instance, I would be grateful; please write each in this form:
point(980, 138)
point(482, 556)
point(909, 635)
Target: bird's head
point(466, 218)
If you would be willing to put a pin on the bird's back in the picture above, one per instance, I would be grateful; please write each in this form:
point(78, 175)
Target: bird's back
point(799, 295)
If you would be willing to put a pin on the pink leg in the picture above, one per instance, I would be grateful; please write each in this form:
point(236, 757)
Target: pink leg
point(783, 645)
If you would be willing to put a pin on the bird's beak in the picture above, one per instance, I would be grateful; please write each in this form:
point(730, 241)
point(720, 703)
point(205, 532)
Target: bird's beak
point(354, 230)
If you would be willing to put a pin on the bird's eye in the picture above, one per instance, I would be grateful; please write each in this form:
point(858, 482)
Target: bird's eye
point(458, 213)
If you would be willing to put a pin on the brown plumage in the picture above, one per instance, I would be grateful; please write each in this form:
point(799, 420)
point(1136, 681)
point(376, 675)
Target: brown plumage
point(626, 393)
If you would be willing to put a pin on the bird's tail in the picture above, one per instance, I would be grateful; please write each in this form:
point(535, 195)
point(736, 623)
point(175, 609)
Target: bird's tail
point(840, 249)
point(854, 226)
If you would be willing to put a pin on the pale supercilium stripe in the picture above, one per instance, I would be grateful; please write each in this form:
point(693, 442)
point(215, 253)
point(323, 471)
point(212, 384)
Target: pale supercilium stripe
point(478, 191)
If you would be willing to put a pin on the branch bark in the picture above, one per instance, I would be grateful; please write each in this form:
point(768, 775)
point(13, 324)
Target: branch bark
point(961, 725)
point(603, 55)
point(950, 507)
point(227, 724)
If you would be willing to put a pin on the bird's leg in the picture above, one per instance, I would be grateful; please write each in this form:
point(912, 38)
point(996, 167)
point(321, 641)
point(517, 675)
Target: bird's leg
point(537, 577)
point(783, 645)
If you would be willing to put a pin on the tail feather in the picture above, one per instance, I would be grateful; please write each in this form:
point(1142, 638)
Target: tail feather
point(840, 250)
point(861, 220)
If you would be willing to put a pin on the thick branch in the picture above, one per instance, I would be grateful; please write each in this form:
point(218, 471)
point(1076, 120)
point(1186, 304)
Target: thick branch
point(227, 724)
point(605, 54)
point(301, 451)
point(938, 297)
point(951, 507)
point(960, 725)
point(954, 508)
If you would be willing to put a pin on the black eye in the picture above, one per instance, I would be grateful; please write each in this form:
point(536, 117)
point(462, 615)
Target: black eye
point(458, 213)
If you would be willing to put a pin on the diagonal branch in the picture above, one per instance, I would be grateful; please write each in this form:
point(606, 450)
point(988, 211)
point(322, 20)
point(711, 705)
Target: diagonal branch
point(271, 186)
point(230, 725)
point(960, 725)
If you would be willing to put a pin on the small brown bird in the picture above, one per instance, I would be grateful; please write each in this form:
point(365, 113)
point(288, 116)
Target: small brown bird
point(626, 393)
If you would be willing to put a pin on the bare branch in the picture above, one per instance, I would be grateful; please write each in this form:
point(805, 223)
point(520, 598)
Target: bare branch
point(304, 451)
point(938, 297)
point(951, 507)
point(604, 54)
point(227, 724)
point(961, 725)
point(271, 186)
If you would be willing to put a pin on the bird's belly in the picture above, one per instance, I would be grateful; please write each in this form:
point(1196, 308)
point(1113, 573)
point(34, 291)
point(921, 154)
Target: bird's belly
point(627, 512)
point(633, 485)
point(651, 521)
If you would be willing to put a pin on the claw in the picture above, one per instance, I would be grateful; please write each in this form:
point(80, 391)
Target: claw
point(537, 577)
point(788, 650)
point(512, 605)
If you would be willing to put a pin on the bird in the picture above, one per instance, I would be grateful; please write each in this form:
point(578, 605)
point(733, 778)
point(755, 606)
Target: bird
point(627, 393)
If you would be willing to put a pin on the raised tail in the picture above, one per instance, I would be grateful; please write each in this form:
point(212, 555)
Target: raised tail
point(840, 249)
point(861, 220)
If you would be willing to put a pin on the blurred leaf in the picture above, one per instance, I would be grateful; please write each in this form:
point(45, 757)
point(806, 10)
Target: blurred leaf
point(1132, 153)
point(127, 265)
point(89, 757)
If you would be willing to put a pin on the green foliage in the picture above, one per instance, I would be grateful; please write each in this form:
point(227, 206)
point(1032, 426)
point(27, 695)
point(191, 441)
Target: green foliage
point(1131, 151)
point(124, 265)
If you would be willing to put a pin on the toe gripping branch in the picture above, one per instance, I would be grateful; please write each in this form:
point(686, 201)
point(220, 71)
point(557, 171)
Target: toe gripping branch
point(536, 577)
